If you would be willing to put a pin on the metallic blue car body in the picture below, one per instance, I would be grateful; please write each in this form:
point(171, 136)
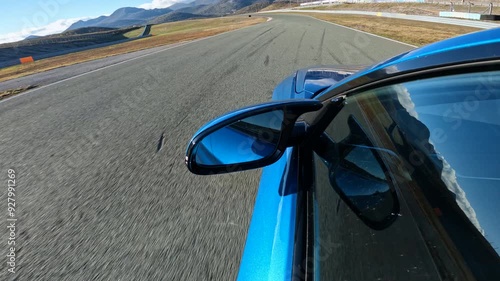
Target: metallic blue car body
point(268, 251)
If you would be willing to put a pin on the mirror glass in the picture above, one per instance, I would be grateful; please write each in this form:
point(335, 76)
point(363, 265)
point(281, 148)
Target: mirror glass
point(250, 139)
point(360, 177)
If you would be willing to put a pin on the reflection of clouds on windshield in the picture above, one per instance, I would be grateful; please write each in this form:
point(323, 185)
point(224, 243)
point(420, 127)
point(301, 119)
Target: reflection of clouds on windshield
point(448, 175)
point(405, 100)
point(450, 179)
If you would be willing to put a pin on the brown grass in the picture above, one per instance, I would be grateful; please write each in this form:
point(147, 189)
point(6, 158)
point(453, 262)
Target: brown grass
point(163, 34)
point(8, 93)
point(417, 33)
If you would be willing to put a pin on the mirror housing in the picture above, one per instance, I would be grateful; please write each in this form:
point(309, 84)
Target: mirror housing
point(248, 138)
point(363, 182)
point(360, 176)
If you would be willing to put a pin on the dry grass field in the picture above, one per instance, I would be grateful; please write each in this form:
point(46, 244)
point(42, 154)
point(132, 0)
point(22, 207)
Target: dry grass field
point(427, 9)
point(416, 33)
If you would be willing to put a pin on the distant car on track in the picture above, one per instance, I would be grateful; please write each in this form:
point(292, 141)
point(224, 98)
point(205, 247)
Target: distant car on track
point(387, 173)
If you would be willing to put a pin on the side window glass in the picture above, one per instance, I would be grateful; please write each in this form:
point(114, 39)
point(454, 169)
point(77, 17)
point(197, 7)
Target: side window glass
point(359, 234)
point(407, 177)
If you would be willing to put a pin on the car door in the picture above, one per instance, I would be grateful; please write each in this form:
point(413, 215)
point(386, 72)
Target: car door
point(405, 181)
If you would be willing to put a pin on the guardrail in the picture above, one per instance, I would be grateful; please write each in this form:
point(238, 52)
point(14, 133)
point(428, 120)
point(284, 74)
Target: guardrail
point(329, 2)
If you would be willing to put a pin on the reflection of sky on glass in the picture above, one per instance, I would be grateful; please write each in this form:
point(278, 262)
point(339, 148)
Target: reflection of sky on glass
point(320, 78)
point(364, 158)
point(322, 82)
point(463, 117)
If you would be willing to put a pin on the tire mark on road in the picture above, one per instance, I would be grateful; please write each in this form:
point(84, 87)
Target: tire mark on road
point(298, 48)
point(266, 43)
point(366, 55)
point(317, 58)
point(230, 70)
point(352, 54)
point(239, 48)
point(337, 60)
point(260, 34)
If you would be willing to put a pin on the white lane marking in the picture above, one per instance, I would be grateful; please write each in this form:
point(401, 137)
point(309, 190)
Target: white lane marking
point(118, 63)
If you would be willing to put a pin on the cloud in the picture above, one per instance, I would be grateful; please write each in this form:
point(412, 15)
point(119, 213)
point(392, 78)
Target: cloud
point(155, 4)
point(449, 177)
point(51, 28)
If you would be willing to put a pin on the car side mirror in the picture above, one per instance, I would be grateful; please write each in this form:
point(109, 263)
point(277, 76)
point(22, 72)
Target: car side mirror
point(248, 138)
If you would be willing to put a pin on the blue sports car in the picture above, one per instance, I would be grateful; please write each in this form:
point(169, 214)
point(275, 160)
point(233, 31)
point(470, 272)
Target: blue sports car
point(386, 173)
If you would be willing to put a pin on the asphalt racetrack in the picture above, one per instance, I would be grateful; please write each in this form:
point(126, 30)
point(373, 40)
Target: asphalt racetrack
point(97, 196)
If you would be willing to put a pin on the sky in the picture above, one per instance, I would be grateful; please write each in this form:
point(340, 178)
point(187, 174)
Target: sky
point(19, 19)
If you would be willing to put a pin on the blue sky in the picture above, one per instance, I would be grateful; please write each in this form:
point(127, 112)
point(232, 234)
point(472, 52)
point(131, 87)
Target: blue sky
point(41, 17)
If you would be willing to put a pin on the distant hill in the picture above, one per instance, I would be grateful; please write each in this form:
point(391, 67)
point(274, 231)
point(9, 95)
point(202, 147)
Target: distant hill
point(255, 7)
point(195, 3)
point(85, 30)
point(221, 7)
point(181, 5)
point(122, 17)
point(175, 16)
point(31, 37)
point(198, 9)
point(224, 7)
point(128, 16)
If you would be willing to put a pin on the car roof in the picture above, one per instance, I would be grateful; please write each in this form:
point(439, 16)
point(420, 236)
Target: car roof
point(473, 47)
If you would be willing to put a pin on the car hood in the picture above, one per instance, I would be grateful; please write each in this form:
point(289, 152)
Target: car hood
point(311, 81)
point(307, 83)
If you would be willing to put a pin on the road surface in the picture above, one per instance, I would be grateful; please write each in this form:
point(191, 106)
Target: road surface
point(96, 199)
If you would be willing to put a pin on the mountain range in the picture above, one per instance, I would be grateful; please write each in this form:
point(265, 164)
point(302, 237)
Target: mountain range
point(122, 17)
point(128, 16)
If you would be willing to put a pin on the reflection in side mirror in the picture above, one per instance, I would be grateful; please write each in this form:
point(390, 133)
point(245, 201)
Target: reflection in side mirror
point(360, 178)
point(251, 139)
